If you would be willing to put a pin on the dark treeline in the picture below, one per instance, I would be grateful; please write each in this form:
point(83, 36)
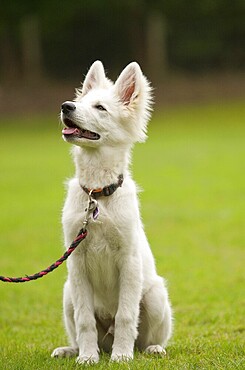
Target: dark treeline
point(61, 38)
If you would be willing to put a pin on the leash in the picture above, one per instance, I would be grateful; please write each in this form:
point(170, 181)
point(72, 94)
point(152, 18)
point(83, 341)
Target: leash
point(91, 210)
point(91, 213)
point(81, 236)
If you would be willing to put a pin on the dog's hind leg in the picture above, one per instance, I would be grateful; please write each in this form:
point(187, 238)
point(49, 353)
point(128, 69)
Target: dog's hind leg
point(155, 324)
point(71, 350)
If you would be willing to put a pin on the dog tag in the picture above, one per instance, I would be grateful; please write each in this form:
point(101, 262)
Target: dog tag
point(96, 213)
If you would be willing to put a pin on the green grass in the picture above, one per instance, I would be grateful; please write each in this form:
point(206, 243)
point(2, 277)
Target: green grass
point(192, 172)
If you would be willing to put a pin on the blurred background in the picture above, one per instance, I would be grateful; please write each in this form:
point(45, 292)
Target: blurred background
point(191, 168)
point(190, 50)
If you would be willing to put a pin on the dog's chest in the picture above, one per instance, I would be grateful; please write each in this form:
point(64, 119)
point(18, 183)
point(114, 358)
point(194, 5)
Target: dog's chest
point(98, 256)
point(101, 267)
point(99, 252)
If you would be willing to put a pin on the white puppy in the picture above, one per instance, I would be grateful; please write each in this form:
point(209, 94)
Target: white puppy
point(113, 297)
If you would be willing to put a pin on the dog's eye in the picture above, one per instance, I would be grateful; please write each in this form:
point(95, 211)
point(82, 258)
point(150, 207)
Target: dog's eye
point(100, 107)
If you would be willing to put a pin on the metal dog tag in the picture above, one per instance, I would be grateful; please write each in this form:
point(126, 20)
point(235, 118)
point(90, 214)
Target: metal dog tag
point(96, 213)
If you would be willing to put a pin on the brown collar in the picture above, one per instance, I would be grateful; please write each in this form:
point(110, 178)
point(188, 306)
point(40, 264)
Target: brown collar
point(106, 191)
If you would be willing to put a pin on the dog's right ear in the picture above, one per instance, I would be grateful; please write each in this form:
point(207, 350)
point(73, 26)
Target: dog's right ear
point(94, 78)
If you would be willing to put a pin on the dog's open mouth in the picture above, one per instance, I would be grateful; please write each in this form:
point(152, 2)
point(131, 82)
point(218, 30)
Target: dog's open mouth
point(72, 130)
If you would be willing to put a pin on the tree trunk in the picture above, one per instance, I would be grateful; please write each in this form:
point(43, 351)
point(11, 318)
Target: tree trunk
point(31, 49)
point(156, 46)
point(10, 66)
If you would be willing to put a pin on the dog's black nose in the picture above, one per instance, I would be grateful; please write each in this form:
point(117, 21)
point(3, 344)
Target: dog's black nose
point(68, 107)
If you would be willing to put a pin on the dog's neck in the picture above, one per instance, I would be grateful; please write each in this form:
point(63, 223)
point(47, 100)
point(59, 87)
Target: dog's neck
point(99, 167)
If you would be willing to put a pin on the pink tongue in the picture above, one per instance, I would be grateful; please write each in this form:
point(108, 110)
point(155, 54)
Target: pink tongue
point(70, 130)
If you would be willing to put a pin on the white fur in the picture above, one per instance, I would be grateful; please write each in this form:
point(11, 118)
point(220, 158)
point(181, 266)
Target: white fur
point(113, 297)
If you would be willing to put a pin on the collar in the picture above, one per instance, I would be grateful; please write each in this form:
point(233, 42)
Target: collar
point(105, 191)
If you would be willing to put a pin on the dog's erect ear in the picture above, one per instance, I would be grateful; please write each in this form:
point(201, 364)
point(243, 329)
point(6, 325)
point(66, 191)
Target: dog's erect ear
point(128, 84)
point(94, 78)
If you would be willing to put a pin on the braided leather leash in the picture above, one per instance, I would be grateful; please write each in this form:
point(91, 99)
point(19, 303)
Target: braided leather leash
point(80, 236)
point(91, 212)
point(92, 209)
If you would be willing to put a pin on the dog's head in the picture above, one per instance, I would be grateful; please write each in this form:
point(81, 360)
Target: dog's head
point(110, 114)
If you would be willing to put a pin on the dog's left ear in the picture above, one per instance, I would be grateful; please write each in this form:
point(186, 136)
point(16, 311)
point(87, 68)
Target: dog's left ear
point(94, 78)
point(128, 84)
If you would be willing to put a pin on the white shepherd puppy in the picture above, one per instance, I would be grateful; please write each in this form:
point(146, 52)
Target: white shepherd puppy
point(113, 298)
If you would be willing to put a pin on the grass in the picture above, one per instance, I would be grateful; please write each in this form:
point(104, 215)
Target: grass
point(192, 172)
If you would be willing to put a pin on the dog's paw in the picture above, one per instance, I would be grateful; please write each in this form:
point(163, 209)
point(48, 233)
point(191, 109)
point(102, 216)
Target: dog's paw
point(65, 352)
point(88, 359)
point(156, 350)
point(122, 357)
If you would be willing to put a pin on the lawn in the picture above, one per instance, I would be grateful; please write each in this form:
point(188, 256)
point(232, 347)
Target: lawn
point(193, 206)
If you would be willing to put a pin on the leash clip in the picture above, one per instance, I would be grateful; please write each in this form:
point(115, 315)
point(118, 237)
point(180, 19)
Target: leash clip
point(92, 209)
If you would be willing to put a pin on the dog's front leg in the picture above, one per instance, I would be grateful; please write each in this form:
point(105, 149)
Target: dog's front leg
point(126, 320)
point(85, 323)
